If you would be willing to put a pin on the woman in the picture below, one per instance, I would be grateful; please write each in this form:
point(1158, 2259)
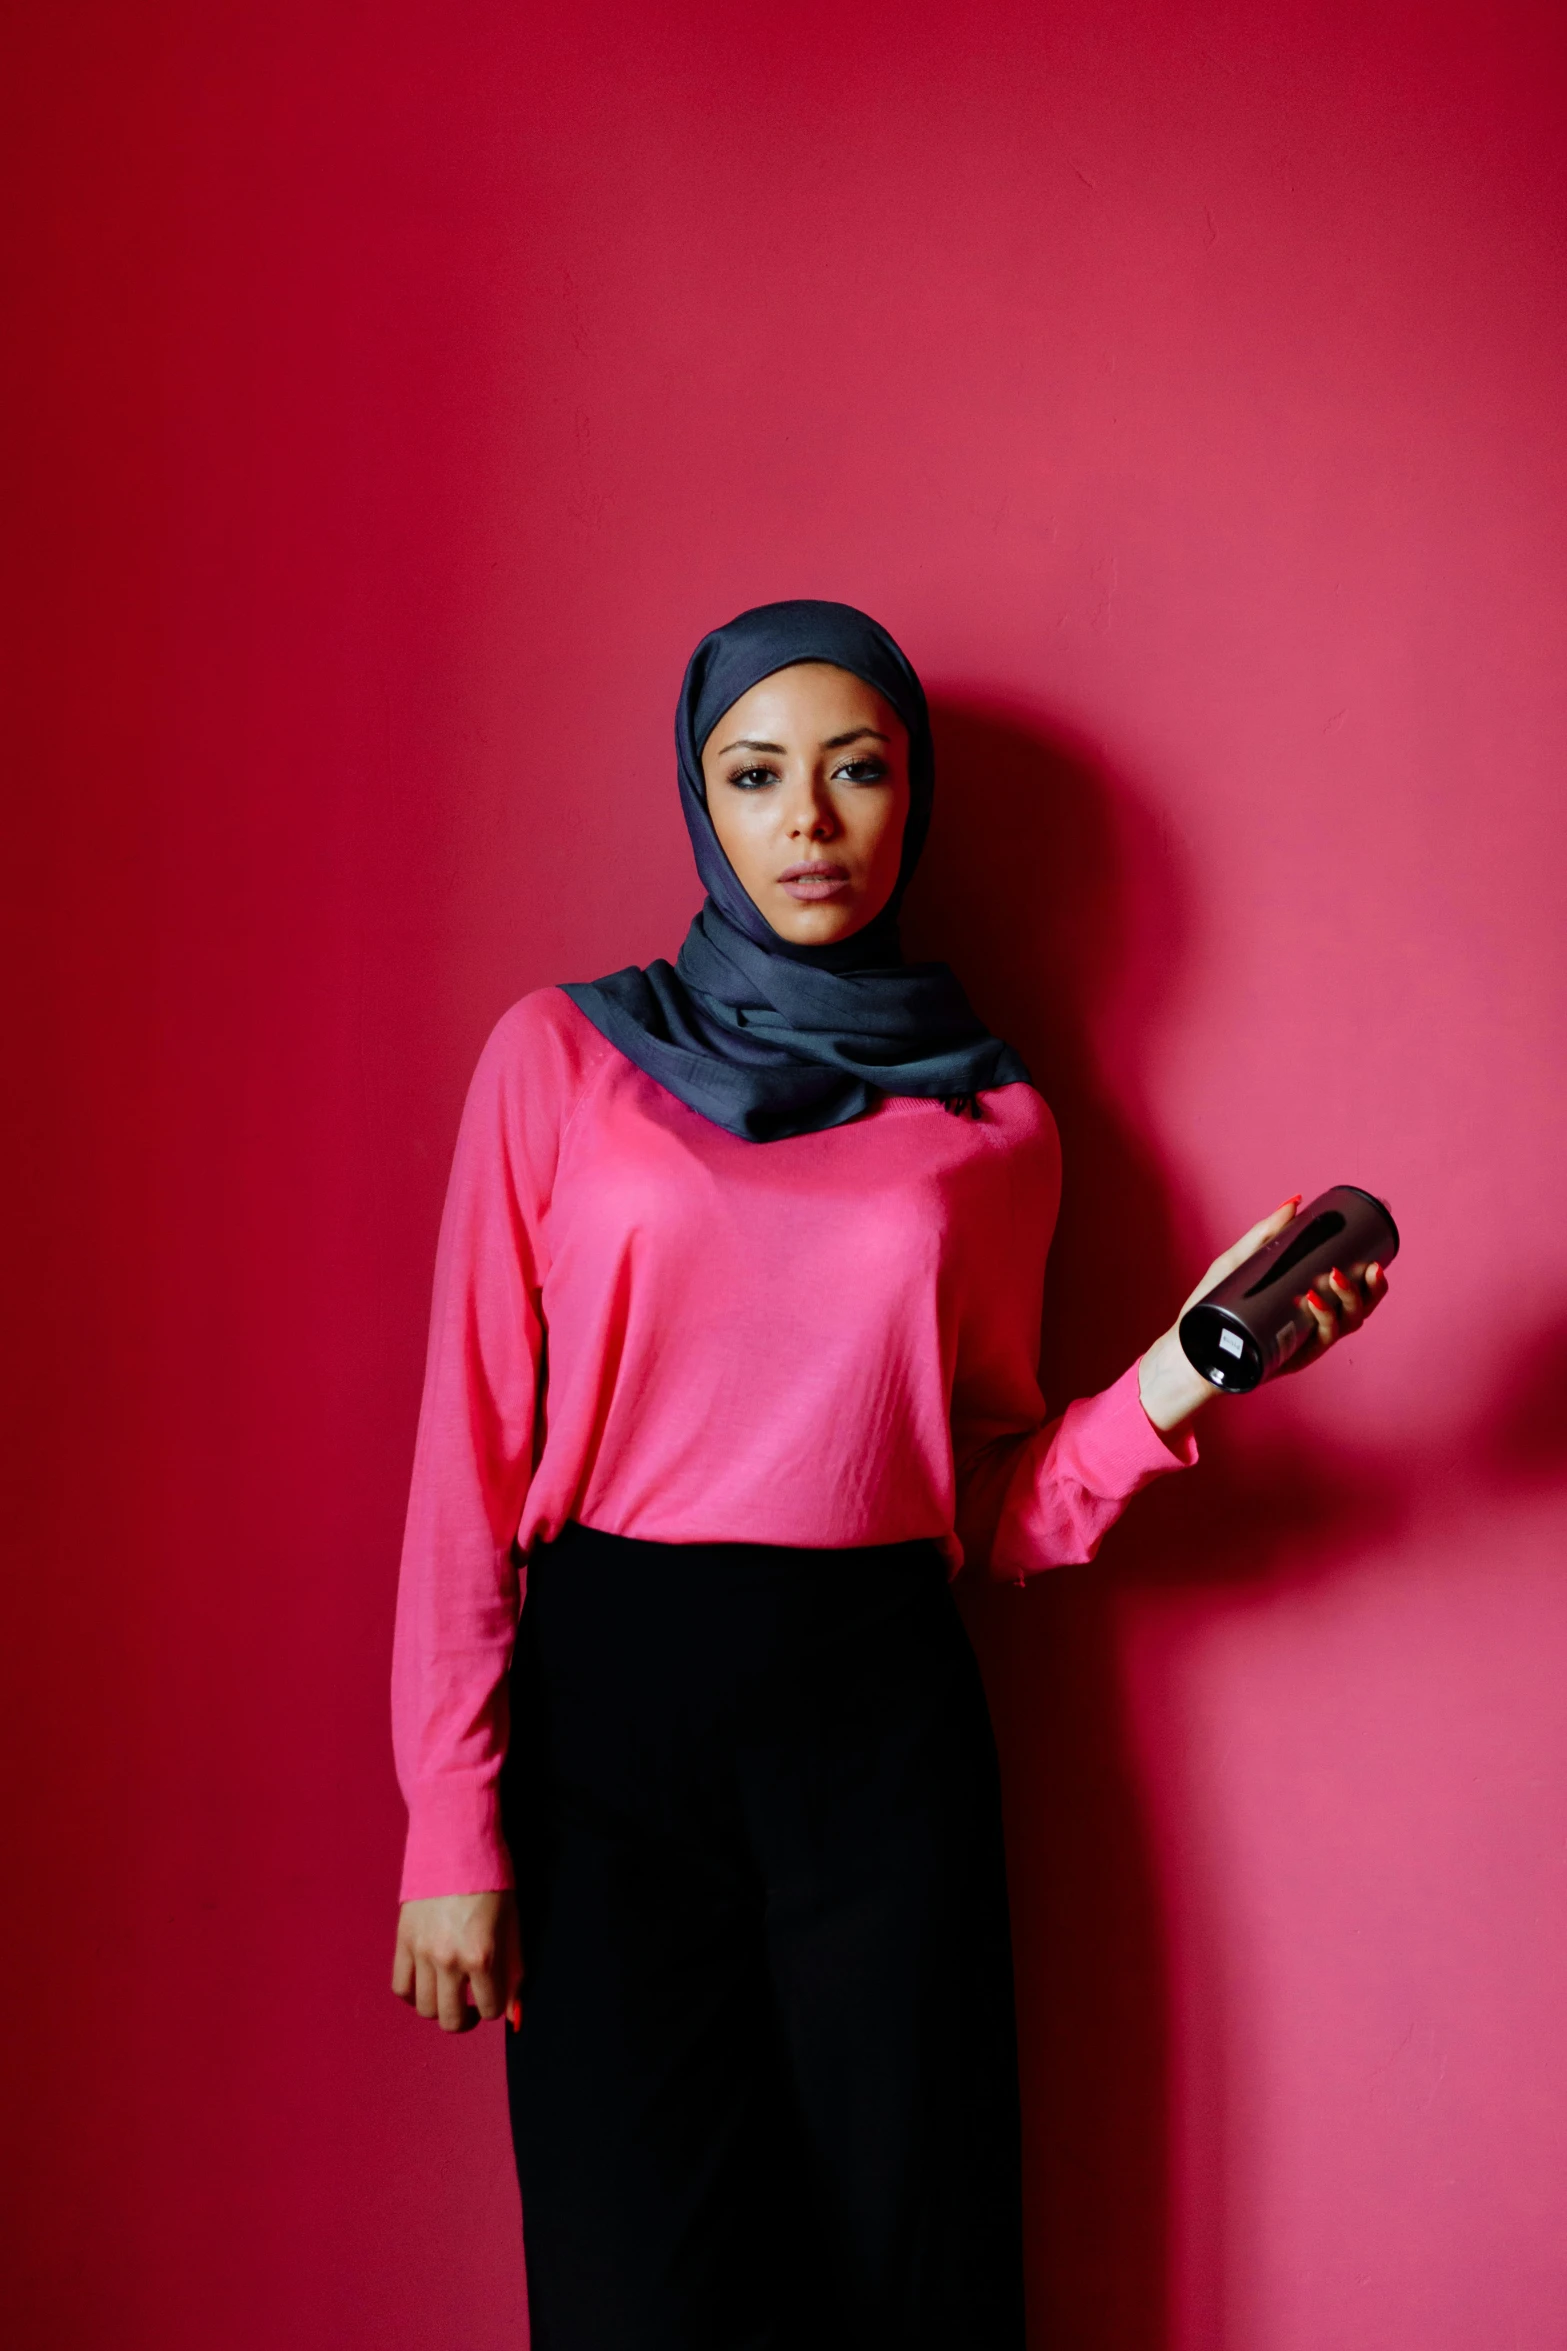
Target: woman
point(733, 1362)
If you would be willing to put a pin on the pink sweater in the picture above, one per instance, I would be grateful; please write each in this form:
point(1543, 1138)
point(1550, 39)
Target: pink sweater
point(827, 1341)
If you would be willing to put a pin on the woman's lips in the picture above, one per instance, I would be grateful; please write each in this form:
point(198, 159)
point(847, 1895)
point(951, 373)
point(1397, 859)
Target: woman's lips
point(808, 882)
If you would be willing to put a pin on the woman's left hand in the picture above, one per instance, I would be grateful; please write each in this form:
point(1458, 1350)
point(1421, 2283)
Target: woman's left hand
point(1340, 1306)
point(1172, 1389)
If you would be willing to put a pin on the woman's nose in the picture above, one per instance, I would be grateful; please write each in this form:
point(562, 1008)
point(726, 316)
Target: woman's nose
point(813, 816)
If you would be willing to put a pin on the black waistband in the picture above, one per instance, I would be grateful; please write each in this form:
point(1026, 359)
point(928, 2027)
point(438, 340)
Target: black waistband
point(587, 1589)
point(591, 1544)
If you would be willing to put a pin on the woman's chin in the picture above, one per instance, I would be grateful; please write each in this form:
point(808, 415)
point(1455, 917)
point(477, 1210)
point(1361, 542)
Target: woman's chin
point(816, 926)
point(821, 924)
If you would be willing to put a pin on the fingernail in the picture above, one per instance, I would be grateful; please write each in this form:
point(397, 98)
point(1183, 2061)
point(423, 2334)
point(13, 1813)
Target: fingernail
point(1293, 1201)
point(514, 2015)
point(1320, 1304)
point(1341, 1279)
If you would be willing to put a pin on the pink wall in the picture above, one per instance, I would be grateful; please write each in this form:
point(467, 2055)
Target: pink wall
point(400, 391)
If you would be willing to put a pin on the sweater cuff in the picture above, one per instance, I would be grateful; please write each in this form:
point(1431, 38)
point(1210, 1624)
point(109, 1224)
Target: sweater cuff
point(1115, 1448)
point(455, 1844)
point(1077, 1477)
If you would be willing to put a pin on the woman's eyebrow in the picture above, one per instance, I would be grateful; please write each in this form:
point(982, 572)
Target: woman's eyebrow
point(833, 742)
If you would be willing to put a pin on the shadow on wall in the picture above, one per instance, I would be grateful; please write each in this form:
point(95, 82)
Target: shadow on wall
point(1052, 894)
point(1523, 1442)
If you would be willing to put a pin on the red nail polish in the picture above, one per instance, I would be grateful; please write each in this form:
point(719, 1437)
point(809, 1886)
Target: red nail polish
point(1293, 1201)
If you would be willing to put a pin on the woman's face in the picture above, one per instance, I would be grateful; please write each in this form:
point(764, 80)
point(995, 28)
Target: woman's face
point(808, 787)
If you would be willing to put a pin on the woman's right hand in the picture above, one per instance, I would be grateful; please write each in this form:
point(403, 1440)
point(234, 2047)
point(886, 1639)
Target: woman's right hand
point(459, 1959)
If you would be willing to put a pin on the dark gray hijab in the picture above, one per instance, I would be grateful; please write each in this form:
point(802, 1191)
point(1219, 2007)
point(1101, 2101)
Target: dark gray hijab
point(763, 1037)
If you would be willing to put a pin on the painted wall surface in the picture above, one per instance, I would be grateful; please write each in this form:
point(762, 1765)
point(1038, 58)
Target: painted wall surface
point(394, 394)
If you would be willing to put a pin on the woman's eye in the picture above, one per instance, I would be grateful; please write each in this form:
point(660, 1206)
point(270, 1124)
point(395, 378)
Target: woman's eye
point(861, 771)
point(751, 779)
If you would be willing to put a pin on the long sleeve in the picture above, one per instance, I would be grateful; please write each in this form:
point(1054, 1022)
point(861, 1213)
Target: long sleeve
point(458, 1598)
point(1049, 1499)
point(1035, 1492)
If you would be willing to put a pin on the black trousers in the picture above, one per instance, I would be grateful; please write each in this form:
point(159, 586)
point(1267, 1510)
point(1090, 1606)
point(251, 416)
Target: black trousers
point(765, 2091)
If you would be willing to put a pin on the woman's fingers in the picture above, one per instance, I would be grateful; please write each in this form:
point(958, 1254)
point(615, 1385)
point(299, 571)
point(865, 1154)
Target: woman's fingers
point(458, 1958)
point(1324, 1319)
point(441, 1994)
point(1267, 1226)
point(452, 2004)
point(1348, 1299)
point(1257, 1236)
point(1266, 1229)
point(509, 1968)
point(1338, 1306)
point(425, 1986)
point(488, 2000)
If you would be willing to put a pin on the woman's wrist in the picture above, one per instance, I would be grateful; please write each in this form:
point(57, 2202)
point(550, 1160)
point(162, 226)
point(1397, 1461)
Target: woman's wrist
point(1171, 1391)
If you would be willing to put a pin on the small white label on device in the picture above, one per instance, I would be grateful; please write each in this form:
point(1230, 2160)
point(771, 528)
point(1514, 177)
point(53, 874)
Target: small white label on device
point(1230, 1341)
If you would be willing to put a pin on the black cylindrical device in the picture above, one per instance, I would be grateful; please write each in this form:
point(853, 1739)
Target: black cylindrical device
point(1247, 1329)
